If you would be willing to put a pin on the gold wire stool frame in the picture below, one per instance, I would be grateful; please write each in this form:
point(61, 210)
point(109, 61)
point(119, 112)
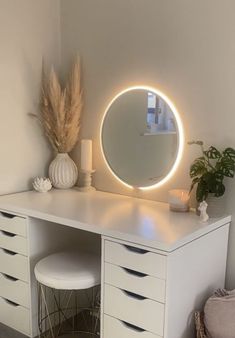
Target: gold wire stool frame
point(56, 316)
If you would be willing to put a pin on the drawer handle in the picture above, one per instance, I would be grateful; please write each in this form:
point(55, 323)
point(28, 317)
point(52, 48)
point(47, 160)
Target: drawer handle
point(135, 273)
point(134, 295)
point(12, 279)
point(136, 250)
point(8, 234)
point(132, 327)
point(9, 252)
point(6, 215)
point(10, 302)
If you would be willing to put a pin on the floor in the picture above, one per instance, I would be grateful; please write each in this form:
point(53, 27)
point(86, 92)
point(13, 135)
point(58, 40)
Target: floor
point(6, 332)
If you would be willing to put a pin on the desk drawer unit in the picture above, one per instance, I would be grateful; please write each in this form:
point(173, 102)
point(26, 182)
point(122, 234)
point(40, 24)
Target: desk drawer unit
point(115, 328)
point(15, 316)
point(135, 259)
point(133, 309)
point(14, 290)
point(14, 264)
point(136, 282)
point(13, 224)
point(134, 291)
point(13, 242)
point(14, 273)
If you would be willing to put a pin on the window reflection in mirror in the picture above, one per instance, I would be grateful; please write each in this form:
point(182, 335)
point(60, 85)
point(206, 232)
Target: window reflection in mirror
point(160, 118)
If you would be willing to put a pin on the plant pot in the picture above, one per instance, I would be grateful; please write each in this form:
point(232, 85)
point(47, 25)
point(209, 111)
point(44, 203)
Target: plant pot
point(63, 172)
point(216, 206)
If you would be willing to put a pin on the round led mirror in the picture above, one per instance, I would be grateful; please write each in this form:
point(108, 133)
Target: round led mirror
point(141, 137)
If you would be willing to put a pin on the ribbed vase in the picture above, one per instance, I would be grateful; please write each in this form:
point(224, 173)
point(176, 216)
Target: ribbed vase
point(63, 172)
point(216, 206)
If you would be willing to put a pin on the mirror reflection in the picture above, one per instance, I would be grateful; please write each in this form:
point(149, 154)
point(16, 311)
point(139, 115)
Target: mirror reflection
point(160, 118)
point(140, 138)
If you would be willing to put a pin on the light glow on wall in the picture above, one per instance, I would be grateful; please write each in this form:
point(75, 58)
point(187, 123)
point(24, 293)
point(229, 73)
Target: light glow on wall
point(180, 136)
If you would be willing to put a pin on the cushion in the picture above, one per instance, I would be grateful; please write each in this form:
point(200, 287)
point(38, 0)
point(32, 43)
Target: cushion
point(219, 314)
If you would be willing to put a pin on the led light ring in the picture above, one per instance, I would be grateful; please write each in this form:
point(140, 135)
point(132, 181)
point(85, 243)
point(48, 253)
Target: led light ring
point(180, 133)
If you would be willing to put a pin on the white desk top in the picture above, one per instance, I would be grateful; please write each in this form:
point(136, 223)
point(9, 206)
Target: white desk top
point(139, 221)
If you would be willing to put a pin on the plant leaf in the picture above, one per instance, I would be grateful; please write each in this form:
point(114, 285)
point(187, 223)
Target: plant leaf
point(210, 180)
point(229, 152)
point(219, 189)
point(212, 153)
point(219, 175)
point(198, 168)
point(227, 166)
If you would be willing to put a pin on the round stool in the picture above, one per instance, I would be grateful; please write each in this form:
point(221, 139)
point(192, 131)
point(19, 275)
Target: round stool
point(60, 276)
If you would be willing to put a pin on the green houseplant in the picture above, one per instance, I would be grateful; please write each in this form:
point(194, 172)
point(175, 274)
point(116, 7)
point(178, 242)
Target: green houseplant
point(209, 171)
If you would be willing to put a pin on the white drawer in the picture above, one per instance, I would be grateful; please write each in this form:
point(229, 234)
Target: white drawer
point(135, 259)
point(15, 316)
point(142, 312)
point(14, 290)
point(13, 224)
point(13, 242)
point(136, 282)
point(115, 328)
point(14, 264)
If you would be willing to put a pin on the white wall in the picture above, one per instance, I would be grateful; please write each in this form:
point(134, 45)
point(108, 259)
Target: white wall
point(183, 47)
point(29, 30)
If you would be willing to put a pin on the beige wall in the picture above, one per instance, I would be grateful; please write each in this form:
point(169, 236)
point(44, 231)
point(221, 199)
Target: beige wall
point(29, 30)
point(183, 47)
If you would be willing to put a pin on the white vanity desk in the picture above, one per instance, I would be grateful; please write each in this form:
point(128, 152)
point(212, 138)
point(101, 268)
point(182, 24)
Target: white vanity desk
point(157, 266)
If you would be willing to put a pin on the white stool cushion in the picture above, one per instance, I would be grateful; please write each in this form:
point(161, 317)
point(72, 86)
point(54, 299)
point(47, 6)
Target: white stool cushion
point(69, 270)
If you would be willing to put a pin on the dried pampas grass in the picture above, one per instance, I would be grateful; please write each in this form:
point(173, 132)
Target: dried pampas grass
point(61, 109)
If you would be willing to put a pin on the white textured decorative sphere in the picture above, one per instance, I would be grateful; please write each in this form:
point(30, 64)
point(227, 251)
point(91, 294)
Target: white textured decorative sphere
point(42, 184)
point(63, 172)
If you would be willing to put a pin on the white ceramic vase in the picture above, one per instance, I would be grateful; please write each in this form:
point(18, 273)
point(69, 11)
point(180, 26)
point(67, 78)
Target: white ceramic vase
point(216, 206)
point(63, 172)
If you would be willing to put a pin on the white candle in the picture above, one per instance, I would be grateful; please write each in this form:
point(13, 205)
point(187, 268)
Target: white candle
point(86, 155)
point(179, 200)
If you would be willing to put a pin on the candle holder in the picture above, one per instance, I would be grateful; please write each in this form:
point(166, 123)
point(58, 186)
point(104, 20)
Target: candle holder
point(86, 180)
point(179, 200)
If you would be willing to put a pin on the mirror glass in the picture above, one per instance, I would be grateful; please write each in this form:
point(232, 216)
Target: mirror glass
point(140, 137)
